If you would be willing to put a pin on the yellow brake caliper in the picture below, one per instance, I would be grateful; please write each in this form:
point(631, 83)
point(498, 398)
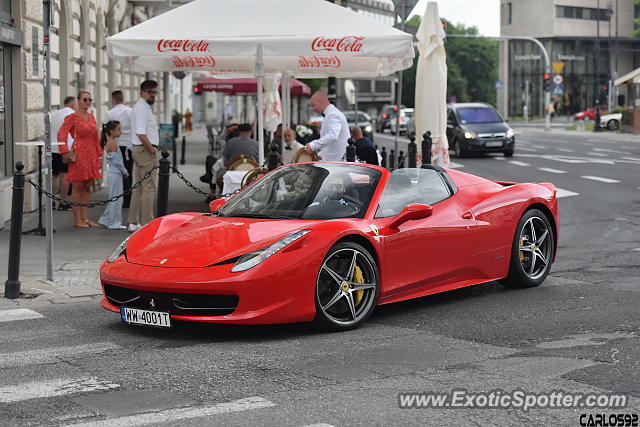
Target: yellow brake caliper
point(358, 277)
point(521, 252)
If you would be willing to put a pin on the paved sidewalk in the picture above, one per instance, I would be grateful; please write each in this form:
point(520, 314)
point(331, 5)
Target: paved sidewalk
point(78, 253)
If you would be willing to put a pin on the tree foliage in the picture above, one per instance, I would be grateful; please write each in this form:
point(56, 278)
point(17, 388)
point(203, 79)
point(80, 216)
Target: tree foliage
point(472, 65)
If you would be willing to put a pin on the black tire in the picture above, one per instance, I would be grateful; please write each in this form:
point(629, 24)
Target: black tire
point(613, 124)
point(518, 277)
point(508, 153)
point(327, 289)
point(457, 149)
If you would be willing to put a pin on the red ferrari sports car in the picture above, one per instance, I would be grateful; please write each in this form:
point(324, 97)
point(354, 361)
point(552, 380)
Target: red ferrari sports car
point(327, 242)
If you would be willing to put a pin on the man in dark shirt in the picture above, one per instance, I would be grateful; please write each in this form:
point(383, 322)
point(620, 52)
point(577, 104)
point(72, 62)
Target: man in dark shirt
point(364, 147)
point(241, 144)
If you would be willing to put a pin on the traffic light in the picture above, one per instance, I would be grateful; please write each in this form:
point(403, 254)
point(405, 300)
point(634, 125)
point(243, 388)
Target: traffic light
point(196, 90)
point(546, 82)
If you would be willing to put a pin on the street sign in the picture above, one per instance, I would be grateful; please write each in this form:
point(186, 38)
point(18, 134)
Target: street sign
point(557, 79)
point(498, 84)
point(557, 90)
point(404, 7)
point(557, 67)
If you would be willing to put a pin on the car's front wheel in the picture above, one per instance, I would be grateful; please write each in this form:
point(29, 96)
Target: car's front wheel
point(457, 148)
point(532, 251)
point(613, 124)
point(347, 287)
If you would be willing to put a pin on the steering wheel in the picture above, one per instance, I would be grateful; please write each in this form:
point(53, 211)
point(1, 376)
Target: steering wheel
point(356, 203)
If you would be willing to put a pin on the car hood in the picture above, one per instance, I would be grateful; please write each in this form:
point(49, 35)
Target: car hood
point(197, 240)
point(486, 127)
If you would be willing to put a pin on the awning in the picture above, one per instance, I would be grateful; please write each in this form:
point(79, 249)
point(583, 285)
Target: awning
point(246, 86)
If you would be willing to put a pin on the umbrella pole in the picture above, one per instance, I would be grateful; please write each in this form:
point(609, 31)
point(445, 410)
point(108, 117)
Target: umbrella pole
point(260, 78)
point(284, 106)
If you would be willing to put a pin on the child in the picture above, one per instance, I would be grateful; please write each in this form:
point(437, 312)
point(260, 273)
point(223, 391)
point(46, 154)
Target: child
point(112, 216)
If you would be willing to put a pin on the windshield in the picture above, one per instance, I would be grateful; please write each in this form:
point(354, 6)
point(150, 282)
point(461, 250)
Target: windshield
point(351, 117)
point(478, 115)
point(307, 191)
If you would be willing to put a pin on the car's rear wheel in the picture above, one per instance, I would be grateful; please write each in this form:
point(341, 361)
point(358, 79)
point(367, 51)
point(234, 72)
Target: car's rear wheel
point(346, 287)
point(531, 251)
point(613, 124)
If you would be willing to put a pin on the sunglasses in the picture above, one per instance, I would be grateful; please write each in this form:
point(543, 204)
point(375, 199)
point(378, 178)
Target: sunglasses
point(87, 100)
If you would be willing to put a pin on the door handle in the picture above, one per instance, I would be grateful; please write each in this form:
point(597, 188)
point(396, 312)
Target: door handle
point(467, 215)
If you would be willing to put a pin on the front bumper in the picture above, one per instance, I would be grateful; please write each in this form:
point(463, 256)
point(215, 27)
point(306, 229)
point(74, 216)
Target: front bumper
point(262, 295)
point(484, 145)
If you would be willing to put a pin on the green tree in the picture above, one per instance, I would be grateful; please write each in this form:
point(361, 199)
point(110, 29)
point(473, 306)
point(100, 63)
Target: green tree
point(472, 65)
point(636, 22)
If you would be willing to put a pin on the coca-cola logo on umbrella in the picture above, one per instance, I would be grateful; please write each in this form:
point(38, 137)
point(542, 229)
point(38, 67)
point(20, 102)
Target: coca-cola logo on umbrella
point(342, 44)
point(167, 45)
point(193, 61)
point(319, 62)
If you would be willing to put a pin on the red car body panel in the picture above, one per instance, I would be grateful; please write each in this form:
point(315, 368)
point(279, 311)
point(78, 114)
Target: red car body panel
point(467, 240)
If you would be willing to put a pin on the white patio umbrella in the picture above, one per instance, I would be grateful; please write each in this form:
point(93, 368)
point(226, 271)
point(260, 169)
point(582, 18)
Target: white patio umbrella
point(431, 85)
point(272, 107)
point(247, 38)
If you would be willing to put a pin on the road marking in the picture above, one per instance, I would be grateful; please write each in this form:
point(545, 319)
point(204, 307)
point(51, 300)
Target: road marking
point(52, 355)
point(178, 414)
point(319, 425)
point(635, 159)
point(561, 192)
point(520, 147)
point(498, 158)
point(538, 146)
point(19, 314)
point(454, 165)
point(565, 150)
point(598, 154)
point(599, 178)
point(52, 388)
point(517, 163)
point(552, 170)
point(606, 150)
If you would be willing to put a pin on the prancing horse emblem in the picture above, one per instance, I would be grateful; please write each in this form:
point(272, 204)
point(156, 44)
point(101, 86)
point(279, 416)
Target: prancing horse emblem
point(152, 303)
point(163, 261)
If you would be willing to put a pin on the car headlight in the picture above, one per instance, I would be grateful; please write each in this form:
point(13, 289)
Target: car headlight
point(252, 259)
point(368, 128)
point(470, 135)
point(121, 249)
point(511, 133)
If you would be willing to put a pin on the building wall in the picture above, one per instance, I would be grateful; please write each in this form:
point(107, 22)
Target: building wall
point(78, 61)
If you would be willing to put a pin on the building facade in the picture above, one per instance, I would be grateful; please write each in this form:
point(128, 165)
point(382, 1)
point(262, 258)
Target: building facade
point(78, 61)
point(590, 42)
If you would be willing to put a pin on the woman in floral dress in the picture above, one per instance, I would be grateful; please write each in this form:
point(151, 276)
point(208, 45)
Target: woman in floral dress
point(82, 127)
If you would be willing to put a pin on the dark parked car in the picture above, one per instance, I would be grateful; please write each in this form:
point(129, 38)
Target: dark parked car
point(478, 128)
point(363, 120)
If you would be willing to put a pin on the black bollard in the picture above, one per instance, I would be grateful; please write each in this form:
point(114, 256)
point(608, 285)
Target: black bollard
point(184, 145)
point(12, 285)
point(163, 184)
point(174, 147)
point(272, 157)
point(401, 160)
point(351, 151)
point(383, 154)
point(426, 148)
point(392, 160)
point(412, 151)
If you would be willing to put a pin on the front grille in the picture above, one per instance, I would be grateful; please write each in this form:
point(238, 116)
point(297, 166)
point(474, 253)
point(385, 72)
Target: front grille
point(492, 135)
point(174, 303)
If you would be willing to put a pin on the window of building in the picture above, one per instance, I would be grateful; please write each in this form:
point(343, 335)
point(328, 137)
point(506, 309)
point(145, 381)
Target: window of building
point(506, 13)
point(587, 13)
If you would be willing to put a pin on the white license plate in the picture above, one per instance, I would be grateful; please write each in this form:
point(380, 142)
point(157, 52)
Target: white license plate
point(145, 317)
point(493, 144)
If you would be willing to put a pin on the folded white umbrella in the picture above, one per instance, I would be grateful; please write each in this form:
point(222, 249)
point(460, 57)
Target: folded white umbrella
point(431, 85)
point(272, 106)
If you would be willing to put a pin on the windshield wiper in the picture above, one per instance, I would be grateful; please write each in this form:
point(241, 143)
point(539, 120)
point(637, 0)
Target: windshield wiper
point(264, 216)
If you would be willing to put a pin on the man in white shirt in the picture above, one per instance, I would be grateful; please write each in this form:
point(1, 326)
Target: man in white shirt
point(334, 131)
point(291, 146)
point(121, 113)
point(58, 168)
point(145, 141)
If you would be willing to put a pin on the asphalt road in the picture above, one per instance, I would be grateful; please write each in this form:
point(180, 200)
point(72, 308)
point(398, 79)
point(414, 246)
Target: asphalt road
point(578, 332)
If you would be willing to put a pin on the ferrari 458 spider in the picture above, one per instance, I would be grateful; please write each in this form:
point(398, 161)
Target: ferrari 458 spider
point(327, 242)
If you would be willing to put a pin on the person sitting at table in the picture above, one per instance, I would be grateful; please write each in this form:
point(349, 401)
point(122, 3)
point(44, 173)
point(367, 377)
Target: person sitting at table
point(364, 147)
point(242, 144)
point(291, 146)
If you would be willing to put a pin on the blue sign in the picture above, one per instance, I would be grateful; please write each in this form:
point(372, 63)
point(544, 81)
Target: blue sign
point(498, 84)
point(557, 90)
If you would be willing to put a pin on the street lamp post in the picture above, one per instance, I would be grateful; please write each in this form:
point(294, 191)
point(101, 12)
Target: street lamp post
point(46, 14)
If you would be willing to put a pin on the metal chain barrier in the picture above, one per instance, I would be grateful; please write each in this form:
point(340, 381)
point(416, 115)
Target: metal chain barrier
point(98, 202)
point(209, 196)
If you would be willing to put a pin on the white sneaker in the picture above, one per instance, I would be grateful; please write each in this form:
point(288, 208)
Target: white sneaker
point(120, 227)
point(134, 227)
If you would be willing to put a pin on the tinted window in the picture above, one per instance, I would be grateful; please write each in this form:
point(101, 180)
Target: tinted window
point(407, 186)
point(478, 115)
point(307, 191)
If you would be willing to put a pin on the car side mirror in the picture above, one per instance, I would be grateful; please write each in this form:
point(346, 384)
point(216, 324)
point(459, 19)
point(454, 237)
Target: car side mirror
point(216, 204)
point(410, 213)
